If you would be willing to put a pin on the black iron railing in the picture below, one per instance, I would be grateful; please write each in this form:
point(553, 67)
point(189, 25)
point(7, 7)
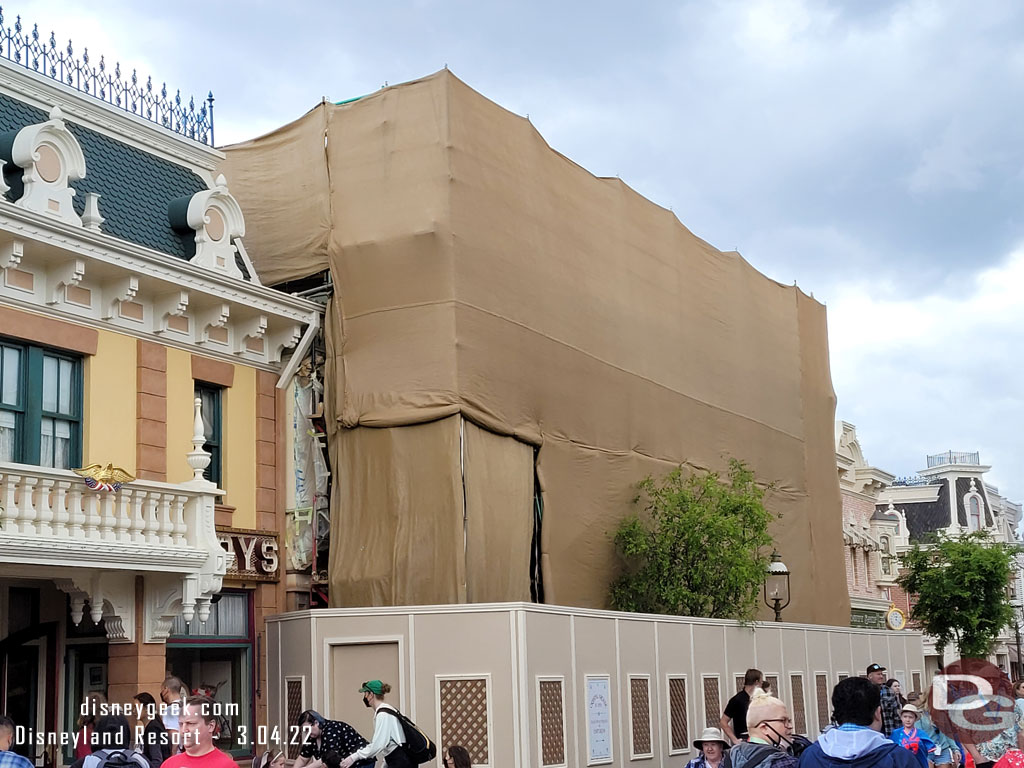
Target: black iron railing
point(158, 106)
point(954, 457)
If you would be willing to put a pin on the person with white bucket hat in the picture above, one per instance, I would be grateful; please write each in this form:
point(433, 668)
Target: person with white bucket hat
point(713, 748)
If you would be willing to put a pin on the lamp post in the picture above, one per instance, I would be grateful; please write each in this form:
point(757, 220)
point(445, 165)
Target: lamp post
point(776, 585)
point(1016, 631)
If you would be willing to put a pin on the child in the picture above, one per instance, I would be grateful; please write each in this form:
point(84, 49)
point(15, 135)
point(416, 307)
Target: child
point(912, 738)
point(269, 760)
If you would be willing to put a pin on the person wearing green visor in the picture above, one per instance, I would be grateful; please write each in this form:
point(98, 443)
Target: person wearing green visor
point(388, 736)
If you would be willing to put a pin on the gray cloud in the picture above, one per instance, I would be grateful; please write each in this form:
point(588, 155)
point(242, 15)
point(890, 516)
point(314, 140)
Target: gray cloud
point(868, 150)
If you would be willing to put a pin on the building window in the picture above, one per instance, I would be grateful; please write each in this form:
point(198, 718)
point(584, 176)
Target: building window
point(217, 656)
point(210, 395)
point(974, 506)
point(40, 406)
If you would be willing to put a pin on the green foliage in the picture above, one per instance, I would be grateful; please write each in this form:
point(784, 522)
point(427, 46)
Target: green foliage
point(960, 583)
point(700, 549)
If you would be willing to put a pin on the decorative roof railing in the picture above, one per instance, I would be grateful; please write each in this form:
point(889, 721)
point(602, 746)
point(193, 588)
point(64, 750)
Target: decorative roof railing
point(157, 106)
point(954, 457)
point(912, 480)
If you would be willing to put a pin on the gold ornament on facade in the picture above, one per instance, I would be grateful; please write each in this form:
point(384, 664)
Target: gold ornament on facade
point(100, 478)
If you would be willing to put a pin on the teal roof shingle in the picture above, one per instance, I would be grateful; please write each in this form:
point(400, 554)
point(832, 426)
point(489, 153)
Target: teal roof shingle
point(135, 187)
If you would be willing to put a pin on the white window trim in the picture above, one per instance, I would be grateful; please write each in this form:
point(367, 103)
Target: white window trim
point(560, 679)
point(668, 715)
point(286, 728)
point(703, 698)
point(611, 729)
point(633, 754)
point(488, 692)
point(814, 680)
point(981, 510)
point(803, 690)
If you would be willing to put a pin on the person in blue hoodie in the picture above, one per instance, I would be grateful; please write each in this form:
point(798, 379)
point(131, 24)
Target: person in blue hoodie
point(857, 740)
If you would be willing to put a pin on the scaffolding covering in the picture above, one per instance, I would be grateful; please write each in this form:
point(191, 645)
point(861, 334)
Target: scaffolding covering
point(500, 310)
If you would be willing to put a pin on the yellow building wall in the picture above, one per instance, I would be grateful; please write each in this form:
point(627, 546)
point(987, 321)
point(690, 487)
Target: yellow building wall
point(238, 414)
point(109, 386)
point(238, 434)
point(180, 394)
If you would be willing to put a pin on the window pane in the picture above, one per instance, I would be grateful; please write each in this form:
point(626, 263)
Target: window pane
point(46, 443)
point(66, 379)
point(8, 435)
point(49, 384)
point(228, 616)
point(210, 402)
point(11, 365)
point(62, 445)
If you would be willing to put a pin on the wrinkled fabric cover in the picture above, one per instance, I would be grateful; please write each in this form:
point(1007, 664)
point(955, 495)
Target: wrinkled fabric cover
point(479, 272)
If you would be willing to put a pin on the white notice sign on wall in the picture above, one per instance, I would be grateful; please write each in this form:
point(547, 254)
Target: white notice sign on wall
point(599, 719)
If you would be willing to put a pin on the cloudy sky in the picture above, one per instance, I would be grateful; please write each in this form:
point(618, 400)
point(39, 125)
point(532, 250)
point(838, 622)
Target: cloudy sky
point(871, 151)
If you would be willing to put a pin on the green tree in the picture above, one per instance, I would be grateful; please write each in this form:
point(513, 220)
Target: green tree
point(960, 583)
point(699, 549)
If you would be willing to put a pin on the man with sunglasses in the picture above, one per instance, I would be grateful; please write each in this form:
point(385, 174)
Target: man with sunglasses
point(769, 728)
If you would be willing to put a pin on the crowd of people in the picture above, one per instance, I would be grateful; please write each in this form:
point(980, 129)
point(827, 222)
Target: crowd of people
point(873, 726)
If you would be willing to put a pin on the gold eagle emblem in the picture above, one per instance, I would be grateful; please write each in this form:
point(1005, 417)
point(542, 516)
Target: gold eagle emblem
point(104, 478)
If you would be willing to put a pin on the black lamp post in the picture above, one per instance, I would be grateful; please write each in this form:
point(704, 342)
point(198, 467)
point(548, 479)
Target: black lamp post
point(776, 585)
point(1016, 630)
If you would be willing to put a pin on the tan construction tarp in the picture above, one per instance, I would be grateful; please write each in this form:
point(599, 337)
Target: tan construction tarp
point(479, 272)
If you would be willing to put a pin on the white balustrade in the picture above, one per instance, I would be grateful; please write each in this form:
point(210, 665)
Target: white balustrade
point(38, 502)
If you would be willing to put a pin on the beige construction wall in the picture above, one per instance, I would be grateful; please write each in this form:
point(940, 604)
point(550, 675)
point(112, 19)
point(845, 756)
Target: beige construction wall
point(475, 673)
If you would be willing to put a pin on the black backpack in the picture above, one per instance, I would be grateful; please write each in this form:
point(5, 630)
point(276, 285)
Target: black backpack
point(121, 758)
point(418, 746)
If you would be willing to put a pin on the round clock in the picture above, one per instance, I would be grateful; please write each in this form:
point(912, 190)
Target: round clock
point(894, 619)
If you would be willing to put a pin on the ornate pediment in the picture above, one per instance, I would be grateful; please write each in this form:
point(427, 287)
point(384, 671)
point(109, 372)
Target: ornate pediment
point(216, 219)
point(51, 158)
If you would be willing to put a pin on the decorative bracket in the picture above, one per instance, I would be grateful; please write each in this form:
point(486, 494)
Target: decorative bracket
point(283, 340)
point(111, 599)
point(11, 253)
point(51, 157)
point(66, 275)
point(122, 289)
point(170, 305)
point(216, 317)
point(253, 328)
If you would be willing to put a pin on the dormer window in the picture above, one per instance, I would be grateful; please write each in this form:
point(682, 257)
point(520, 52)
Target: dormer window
point(50, 158)
point(212, 219)
point(975, 506)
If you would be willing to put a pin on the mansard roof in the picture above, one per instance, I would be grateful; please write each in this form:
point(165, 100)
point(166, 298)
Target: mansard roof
point(135, 186)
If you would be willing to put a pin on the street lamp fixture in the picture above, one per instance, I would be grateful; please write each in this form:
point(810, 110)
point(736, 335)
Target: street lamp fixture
point(776, 585)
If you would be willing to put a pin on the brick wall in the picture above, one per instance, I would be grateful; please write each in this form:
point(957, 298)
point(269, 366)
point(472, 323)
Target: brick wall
point(151, 411)
point(862, 568)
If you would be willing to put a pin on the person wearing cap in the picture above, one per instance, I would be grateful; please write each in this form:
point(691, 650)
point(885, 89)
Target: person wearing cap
point(856, 740)
point(713, 748)
point(890, 704)
point(388, 736)
point(912, 738)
